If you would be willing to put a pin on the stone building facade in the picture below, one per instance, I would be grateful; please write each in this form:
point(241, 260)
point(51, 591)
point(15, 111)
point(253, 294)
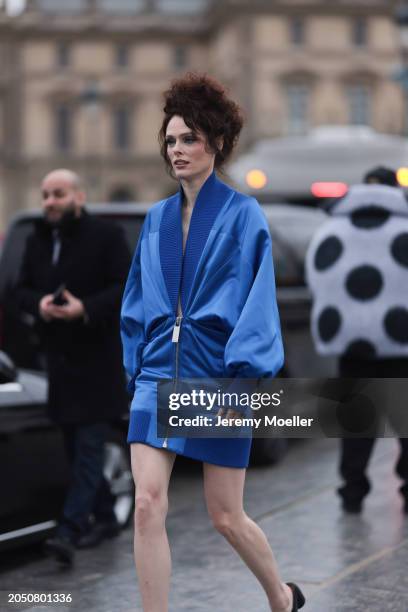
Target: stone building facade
point(81, 81)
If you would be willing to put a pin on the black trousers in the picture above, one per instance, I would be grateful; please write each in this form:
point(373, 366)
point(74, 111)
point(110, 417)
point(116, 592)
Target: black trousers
point(88, 491)
point(355, 453)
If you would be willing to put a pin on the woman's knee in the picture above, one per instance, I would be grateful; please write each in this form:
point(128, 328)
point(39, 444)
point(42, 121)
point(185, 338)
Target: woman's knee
point(150, 509)
point(228, 524)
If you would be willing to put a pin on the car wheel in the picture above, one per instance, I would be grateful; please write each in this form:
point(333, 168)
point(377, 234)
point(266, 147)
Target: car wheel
point(118, 474)
point(266, 451)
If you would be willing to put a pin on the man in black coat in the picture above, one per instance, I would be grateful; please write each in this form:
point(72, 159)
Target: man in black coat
point(85, 260)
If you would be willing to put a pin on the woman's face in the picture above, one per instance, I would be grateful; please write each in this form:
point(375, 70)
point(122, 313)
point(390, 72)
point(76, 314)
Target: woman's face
point(187, 151)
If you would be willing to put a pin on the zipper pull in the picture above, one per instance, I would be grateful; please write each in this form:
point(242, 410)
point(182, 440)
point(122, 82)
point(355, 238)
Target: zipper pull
point(176, 330)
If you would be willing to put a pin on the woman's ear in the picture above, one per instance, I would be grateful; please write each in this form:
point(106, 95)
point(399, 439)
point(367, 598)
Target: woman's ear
point(220, 143)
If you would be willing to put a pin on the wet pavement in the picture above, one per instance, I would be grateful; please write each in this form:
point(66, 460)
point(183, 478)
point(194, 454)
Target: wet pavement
point(342, 562)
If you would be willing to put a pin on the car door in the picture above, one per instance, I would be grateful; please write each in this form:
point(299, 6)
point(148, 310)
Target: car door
point(34, 470)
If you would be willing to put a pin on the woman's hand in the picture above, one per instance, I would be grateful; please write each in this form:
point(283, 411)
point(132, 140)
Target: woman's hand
point(230, 414)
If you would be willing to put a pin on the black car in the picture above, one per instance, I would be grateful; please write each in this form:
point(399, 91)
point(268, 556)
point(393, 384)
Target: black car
point(34, 468)
point(31, 448)
point(291, 228)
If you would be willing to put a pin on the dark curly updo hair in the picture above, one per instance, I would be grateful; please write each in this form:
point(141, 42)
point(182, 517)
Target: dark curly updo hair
point(203, 104)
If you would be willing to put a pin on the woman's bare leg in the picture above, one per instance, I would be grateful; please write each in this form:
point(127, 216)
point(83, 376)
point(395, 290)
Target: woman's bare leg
point(224, 488)
point(151, 468)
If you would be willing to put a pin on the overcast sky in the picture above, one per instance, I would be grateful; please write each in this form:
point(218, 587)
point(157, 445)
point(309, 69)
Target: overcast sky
point(14, 6)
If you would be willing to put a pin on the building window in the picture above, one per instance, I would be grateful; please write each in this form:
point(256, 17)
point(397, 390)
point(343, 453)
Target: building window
point(122, 56)
point(56, 6)
point(359, 104)
point(298, 95)
point(63, 127)
point(180, 57)
point(181, 6)
point(297, 31)
point(63, 54)
point(360, 32)
point(121, 120)
point(122, 7)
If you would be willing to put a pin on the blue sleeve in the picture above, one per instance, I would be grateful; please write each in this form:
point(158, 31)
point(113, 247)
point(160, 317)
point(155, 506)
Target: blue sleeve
point(132, 319)
point(254, 348)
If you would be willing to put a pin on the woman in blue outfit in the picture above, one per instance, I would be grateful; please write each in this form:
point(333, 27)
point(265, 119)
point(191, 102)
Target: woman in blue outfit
point(199, 303)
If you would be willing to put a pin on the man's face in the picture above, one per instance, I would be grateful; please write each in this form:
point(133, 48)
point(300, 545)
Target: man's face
point(58, 197)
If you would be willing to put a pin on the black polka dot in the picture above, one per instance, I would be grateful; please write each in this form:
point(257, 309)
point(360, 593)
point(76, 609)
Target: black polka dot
point(396, 324)
point(364, 282)
point(399, 249)
point(360, 349)
point(370, 217)
point(328, 253)
point(329, 323)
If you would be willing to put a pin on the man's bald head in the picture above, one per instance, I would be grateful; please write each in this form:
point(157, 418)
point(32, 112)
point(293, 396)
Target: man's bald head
point(62, 192)
point(65, 175)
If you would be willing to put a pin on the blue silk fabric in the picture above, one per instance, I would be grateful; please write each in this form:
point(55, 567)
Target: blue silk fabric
point(230, 326)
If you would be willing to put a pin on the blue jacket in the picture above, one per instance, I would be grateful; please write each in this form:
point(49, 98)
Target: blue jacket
point(230, 324)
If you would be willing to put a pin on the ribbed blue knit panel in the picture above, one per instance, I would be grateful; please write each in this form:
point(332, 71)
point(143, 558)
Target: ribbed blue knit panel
point(211, 197)
point(171, 247)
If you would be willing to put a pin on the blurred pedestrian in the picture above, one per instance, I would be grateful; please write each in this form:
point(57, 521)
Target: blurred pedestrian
point(381, 176)
point(357, 265)
point(199, 302)
point(72, 277)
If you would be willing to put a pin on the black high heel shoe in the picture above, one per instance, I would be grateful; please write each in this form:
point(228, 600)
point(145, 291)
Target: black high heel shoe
point(298, 597)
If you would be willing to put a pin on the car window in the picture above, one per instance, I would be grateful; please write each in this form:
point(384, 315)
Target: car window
point(291, 232)
point(18, 334)
point(14, 246)
point(292, 229)
point(285, 266)
point(131, 226)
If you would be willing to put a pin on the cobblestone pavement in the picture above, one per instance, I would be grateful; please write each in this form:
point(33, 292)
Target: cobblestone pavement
point(343, 563)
